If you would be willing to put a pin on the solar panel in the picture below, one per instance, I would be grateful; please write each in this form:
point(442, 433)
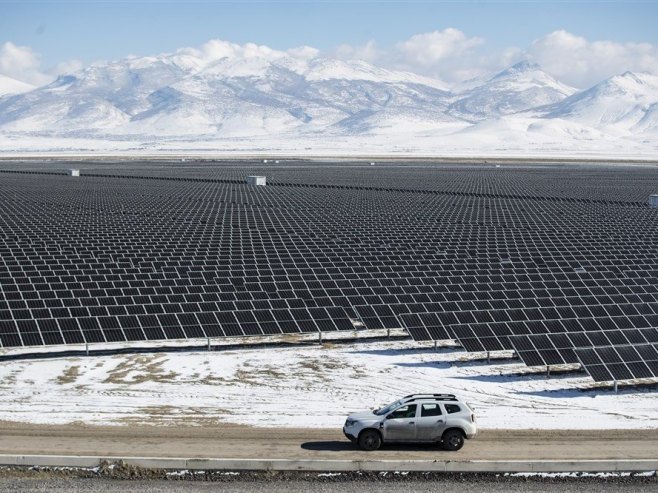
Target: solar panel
point(426, 327)
point(614, 363)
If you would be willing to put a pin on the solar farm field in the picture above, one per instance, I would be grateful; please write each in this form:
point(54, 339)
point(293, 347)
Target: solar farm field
point(556, 263)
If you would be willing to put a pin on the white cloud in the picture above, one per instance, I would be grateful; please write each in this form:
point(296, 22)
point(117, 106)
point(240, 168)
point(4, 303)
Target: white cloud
point(21, 63)
point(429, 49)
point(582, 63)
point(304, 52)
point(449, 55)
point(67, 67)
point(367, 52)
point(216, 49)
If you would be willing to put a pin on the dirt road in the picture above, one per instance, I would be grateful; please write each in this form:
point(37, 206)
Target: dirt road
point(231, 441)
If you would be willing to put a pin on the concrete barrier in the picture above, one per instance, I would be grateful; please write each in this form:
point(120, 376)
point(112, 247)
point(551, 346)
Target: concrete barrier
point(310, 465)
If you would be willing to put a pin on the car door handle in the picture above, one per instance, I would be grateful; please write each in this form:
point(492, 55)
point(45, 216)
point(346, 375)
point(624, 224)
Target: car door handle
point(440, 421)
point(412, 422)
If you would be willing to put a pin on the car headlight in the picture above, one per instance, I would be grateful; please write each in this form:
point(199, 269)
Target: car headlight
point(349, 422)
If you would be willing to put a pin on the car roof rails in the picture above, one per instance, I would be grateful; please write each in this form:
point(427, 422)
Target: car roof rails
point(450, 397)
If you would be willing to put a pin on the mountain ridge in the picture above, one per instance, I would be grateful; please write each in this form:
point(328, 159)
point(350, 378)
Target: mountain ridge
point(258, 93)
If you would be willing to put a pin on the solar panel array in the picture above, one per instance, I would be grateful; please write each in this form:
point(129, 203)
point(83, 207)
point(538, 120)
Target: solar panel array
point(147, 251)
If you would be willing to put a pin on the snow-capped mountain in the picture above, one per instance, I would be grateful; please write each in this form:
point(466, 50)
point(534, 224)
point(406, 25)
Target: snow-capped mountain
point(521, 87)
point(253, 94)
point(623, 103)
point(13, 86)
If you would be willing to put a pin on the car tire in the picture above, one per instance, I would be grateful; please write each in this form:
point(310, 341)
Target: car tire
point(452, 440)
point(370, 440)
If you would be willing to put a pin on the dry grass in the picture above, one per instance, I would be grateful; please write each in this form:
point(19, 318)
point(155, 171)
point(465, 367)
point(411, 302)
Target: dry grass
point(175, 416)
point(291, 338)
point(10, 379)
point(262, 376)
point(138, 369)
point(214, 380)
point(154, 411)
point(70, 375)
point(322, 368)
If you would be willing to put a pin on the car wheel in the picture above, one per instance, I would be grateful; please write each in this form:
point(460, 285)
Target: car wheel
point(370, 440)
point(453, 440)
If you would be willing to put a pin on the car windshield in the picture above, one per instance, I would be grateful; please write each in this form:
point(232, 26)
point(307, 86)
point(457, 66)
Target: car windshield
point(387, 409)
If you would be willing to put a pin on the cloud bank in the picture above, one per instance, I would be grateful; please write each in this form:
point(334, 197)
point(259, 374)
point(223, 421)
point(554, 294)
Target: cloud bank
point(449, 55)
point(581, 63)
point(453, 56)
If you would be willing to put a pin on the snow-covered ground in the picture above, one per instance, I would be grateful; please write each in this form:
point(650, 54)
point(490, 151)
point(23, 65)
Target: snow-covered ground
point(307, 386)
point(493, 140)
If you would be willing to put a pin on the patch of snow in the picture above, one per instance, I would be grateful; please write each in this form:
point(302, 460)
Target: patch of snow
point(306, 386)
point(599, 475)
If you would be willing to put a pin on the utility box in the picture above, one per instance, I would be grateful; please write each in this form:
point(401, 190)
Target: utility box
point(74, 172)
point(256, 180)
point(653, 200)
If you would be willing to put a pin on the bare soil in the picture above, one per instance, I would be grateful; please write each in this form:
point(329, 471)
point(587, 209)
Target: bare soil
point(236, 441)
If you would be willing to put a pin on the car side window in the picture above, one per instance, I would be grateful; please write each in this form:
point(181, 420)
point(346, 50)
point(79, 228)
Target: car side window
point(452, 408)
point(408, 411)
point(430, 410)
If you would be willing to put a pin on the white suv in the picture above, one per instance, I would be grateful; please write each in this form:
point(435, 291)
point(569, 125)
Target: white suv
point(416, 418)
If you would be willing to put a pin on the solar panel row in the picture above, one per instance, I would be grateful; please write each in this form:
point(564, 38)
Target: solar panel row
point(606, 364)
point(558, 349)
point(171, 325)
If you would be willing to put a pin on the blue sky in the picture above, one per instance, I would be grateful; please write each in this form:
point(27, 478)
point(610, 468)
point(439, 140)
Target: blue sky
point(102, 30)
point(57, 32)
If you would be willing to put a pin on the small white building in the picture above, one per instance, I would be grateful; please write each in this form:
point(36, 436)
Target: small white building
point(653, 200)
point(256, 180)
point(74, 172)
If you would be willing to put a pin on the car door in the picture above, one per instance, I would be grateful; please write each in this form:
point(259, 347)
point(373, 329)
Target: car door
point(400, 425)
point(431, 422)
